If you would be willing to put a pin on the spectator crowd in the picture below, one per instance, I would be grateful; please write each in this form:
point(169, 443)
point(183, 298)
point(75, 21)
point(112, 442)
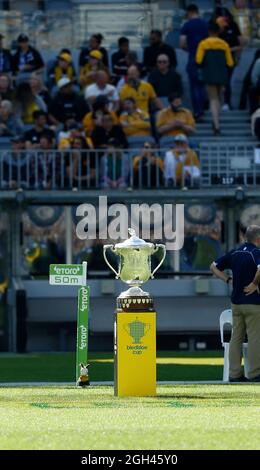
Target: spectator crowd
point(72, 129)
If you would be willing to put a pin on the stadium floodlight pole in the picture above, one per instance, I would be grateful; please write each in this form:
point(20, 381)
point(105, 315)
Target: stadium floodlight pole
point(72, 275)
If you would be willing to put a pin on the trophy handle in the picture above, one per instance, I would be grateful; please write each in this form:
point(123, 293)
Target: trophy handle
point(105, 248)
point(157, 246)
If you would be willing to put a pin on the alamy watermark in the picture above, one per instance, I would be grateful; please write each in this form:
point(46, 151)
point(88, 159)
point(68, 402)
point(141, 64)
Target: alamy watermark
point(151, 222)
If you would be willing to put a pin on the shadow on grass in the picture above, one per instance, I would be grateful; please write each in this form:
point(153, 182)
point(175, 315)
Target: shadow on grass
point(61, 368)
point(189, 372)
point(165, 372)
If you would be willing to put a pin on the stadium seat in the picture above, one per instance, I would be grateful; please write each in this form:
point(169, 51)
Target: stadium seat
point(166, 142)
point(5, 143)
point(27, 127)
point(173, 36)
point(58, 5)
point(136, 142)
point(226, 318)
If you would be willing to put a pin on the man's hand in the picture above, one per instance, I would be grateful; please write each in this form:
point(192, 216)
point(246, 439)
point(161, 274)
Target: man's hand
point(250, 289)
point(177, 123)
point(230, 281)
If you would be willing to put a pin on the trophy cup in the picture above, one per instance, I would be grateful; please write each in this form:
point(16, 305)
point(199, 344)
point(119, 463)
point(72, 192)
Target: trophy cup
point(135, 317)
point(134, 269)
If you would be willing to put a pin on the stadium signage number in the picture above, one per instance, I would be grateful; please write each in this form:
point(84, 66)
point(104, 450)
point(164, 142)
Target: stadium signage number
point(67, 274)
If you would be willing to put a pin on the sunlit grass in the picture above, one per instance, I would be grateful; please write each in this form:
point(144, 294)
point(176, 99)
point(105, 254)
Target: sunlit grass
point(180, 417)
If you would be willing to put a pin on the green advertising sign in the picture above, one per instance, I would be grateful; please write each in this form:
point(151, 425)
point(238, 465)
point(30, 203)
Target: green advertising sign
point(68, 274)
point(76, 275)
point(82, 329)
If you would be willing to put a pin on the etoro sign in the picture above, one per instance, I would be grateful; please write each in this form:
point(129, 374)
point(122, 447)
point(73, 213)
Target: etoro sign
point(76, 275)
point(68, 274)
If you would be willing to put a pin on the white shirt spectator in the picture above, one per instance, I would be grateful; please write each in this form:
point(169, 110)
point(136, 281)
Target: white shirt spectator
point(169, 165)
point(93, 91)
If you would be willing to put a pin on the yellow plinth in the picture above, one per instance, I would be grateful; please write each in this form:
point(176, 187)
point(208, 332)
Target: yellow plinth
point(135, 354)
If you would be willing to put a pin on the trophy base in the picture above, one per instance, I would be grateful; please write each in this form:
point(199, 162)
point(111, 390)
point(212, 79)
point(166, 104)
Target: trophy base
point(134, 291)
point(134, 300)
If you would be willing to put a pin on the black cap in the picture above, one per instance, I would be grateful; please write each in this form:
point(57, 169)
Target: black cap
point(23, 38)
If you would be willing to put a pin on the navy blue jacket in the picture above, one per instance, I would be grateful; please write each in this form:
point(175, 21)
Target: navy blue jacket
point(243, 262)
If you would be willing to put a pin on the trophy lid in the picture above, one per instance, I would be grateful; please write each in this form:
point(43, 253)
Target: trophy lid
point(134, 242)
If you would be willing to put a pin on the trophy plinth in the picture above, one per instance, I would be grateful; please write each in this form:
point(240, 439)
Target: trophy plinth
point(135, 318)
point(135, 304)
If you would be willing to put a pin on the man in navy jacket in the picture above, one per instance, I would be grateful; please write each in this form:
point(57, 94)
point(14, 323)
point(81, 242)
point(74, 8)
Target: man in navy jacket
point(244, 262)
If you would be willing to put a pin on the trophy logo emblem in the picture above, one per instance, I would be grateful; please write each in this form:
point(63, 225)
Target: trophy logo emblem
point(137, 330)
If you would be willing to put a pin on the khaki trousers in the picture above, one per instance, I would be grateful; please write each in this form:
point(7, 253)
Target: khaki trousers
point(246, 319)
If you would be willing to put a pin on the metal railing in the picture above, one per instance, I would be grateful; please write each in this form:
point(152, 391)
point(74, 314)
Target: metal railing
point(247, 19)
point(46, 29)
point(54, 29)
point(223, 164)
point(90, 169)
point(229, 164)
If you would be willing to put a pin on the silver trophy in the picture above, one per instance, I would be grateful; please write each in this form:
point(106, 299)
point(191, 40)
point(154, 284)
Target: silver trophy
point(134, 264)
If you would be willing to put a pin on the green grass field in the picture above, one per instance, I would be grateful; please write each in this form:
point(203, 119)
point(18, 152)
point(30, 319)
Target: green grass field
point(180, 417)
point(195, 416)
